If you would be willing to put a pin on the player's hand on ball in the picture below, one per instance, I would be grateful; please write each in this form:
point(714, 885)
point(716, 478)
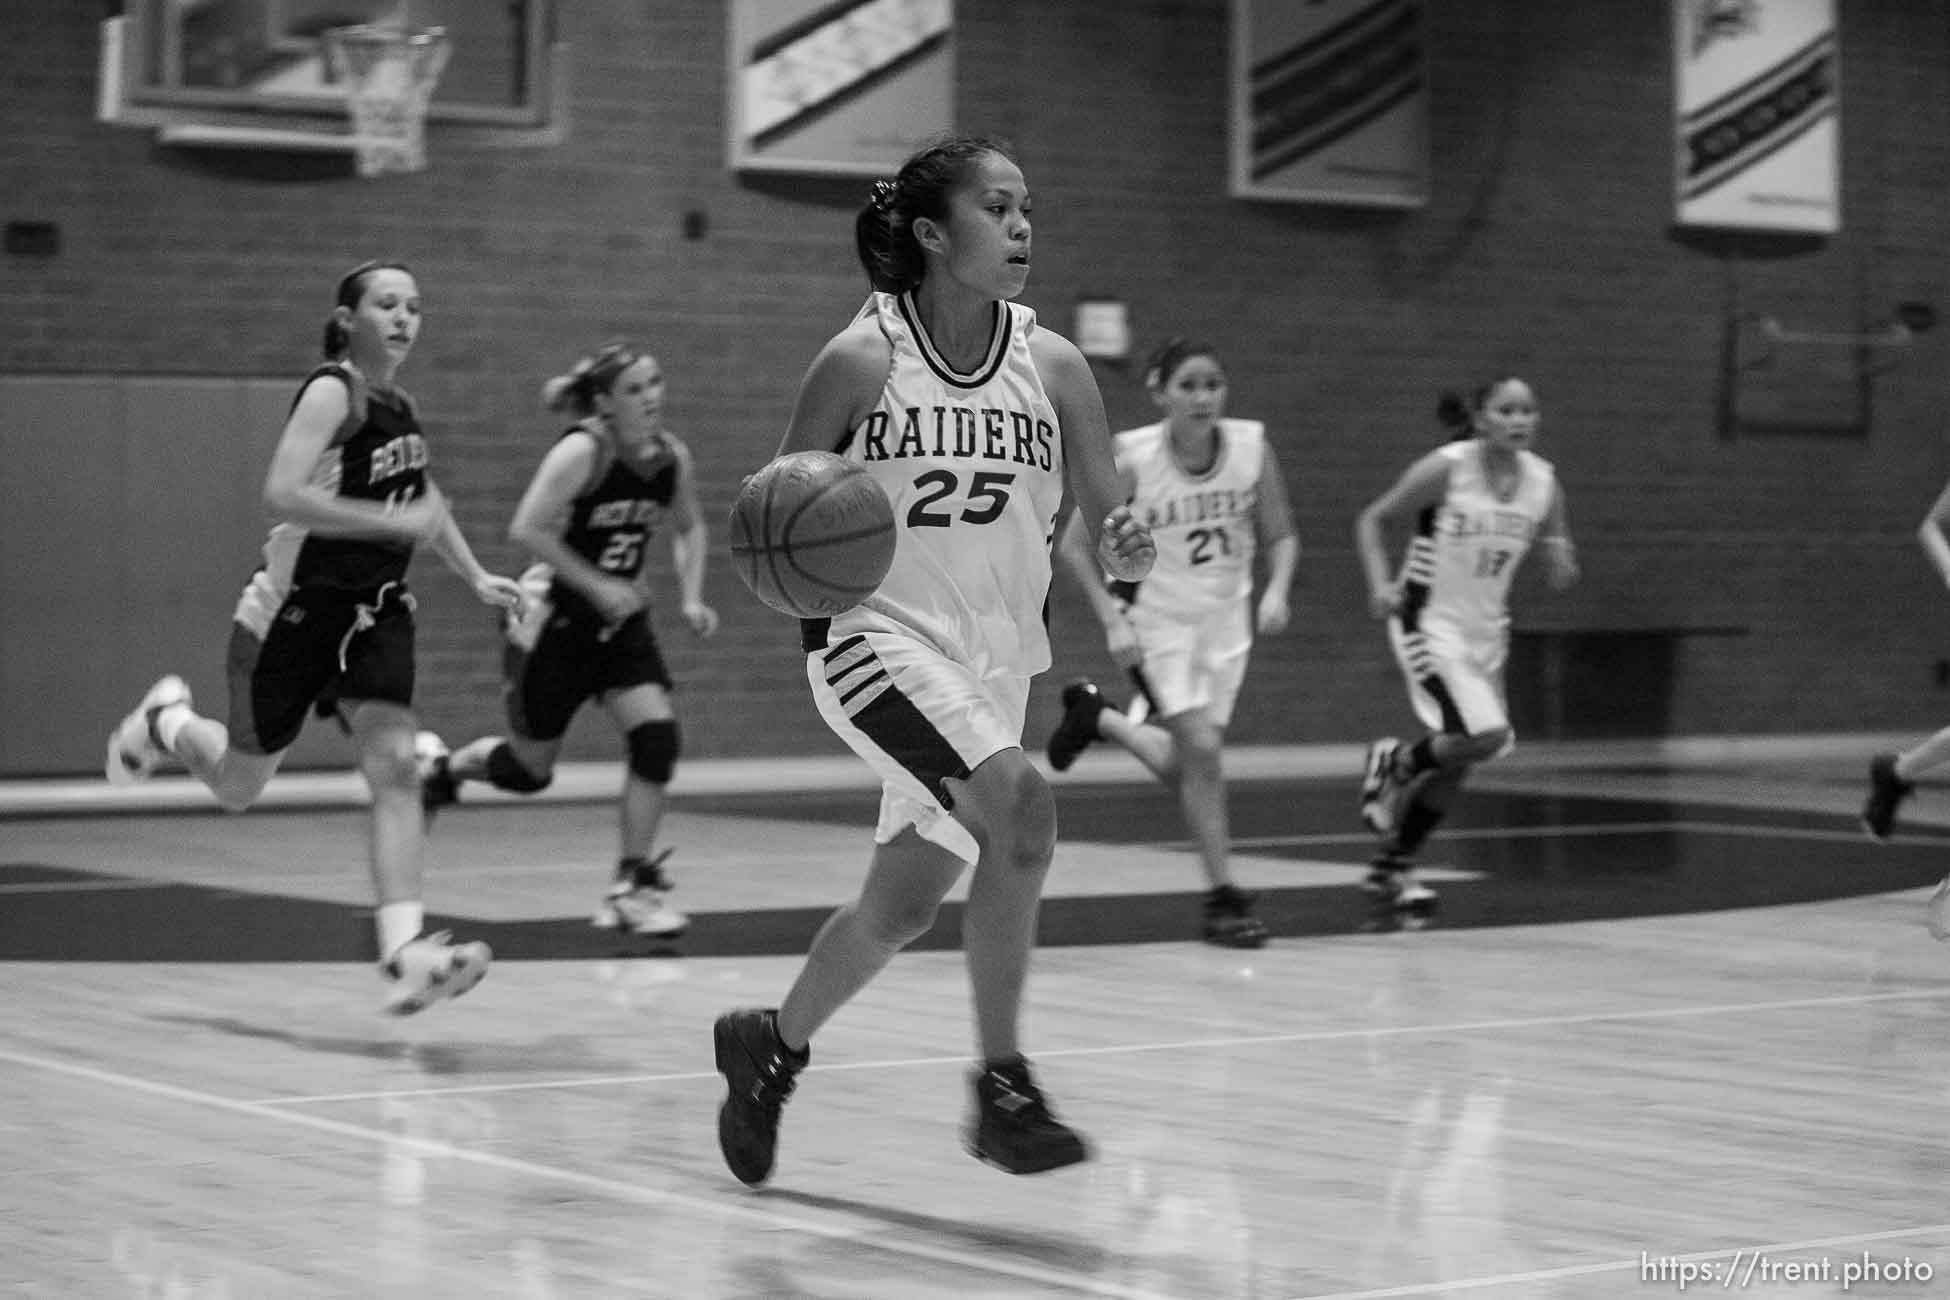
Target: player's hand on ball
point(1124, 546)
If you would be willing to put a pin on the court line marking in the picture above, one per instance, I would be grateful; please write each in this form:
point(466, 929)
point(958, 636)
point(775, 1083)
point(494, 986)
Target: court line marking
point(1750, 830)
point(614, 1188)
point(981, 1264)
point(1769, 1249)
point(1190, 1044)
point(1244, 843)
point(90, 886)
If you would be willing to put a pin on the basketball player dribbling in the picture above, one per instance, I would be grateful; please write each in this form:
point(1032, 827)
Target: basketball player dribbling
point(328, 621)
point(974, 418)
point(605, 485)
point(1475, 506)
point(1211, 490)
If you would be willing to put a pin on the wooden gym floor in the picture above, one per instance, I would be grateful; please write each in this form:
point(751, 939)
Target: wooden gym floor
point(1676, 1021)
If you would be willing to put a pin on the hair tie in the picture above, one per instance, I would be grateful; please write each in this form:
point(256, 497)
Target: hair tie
point(882, 195)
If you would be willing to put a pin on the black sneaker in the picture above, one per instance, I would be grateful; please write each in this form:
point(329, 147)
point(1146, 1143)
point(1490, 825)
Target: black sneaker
point(1229, 919)
point(1382, 885)
point(1013, 1129)
point(1082, 702)
point(1397, 899)
point(759, 1074)
point(1886, 793)
point(1383, 880)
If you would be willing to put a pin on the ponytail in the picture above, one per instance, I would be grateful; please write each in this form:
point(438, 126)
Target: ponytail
point(576, 391)
point(883, 230)
point(1453, 414)
point(884, 241)
point(1458, 414)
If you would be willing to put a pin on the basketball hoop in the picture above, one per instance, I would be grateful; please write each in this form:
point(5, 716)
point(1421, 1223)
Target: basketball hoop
point(389, 76)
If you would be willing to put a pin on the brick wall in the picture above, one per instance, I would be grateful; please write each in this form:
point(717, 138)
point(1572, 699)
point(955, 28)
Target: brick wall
point(1546, 250)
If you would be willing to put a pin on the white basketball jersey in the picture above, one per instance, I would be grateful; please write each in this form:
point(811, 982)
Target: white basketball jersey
point(974, 466)
point(1456, 578)
point(1204, 524)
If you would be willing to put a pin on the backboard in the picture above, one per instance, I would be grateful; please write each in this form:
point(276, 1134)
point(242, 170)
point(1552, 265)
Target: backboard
point(178, 62)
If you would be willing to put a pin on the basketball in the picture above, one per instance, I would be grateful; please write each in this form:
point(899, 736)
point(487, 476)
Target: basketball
point(812, 534)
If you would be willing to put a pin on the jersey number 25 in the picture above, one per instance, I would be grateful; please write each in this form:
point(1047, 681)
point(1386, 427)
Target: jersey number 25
point(987, 486)
point(622, 553)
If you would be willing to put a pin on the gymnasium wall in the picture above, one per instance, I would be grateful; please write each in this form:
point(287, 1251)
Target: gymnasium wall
point(1776, 579)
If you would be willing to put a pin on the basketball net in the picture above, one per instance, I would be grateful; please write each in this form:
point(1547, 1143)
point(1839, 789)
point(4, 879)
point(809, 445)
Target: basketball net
point(389, 76)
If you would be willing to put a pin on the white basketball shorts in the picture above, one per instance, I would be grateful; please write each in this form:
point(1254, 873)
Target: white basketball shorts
point(1455, 684)
point(1198, 665)
point(918, 718)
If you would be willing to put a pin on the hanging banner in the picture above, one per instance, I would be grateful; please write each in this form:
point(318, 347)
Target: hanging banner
point(1330, 101)
point(842, 87)
point(1757, 105)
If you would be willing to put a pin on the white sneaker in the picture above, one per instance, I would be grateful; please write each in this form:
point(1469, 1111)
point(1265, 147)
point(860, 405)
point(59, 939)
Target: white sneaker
point(1940, 912)
point(438, 788)
point(428, 750)
point(430, 968)
point(132, 749)
point(640, 910)
point(1413, 893)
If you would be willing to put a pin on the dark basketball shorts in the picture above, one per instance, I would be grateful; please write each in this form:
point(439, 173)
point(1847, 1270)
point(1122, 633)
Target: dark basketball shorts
point(569, 662)
point(316, 644)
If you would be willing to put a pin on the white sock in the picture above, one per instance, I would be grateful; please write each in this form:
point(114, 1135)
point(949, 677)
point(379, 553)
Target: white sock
point(399, 924)
point(170, 721)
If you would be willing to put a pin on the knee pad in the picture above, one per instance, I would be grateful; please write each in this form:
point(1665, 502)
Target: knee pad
point(653, 750)
point(505, 772)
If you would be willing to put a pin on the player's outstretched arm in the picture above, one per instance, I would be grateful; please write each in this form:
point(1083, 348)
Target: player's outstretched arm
point(450, 544)
point(1560, 553)
point(1421, 486)
point(292, 496)
point(1279, 545)
point(541, 522)
point(1075, 553)
point(690, 542)
point(1122, 543)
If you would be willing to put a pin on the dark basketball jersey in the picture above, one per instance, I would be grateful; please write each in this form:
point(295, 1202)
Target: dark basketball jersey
point(378, 454)
point(610, 523)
